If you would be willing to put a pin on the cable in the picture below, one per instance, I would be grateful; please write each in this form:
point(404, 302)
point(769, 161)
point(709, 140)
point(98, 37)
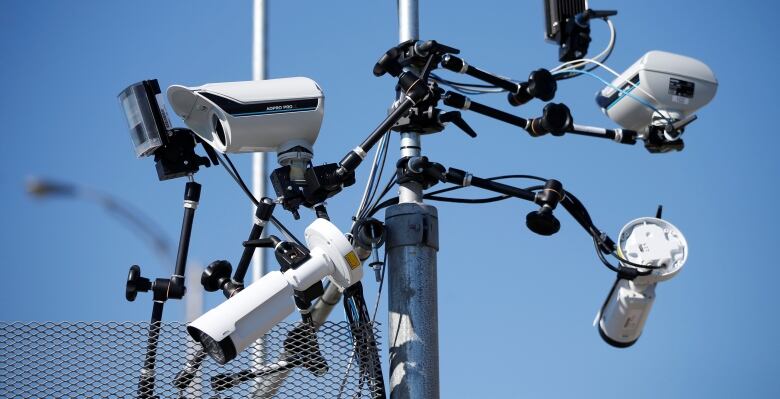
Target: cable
point(392, 201)
point(503, 177)
point(623, 92)
point(233, 172)
point(372, 210)
point(467, 200)
point(618, 257)
point(601, 57)
point(371, 176)
point(468, 88)
point(379, 178)
point(606, 68)
point(604, 260)
point(381, 284)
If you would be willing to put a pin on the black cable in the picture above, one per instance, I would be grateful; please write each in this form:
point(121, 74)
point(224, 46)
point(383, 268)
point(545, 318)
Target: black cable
point(392, 201)
point(371, 209)
point(453, 188)
point(466, 200)
point(593, 67)
point(385, 204)
point(453, 83)
point(381, 284)
point(378, 178)
point(618, 257)
point(233, 172)
point(601, 255)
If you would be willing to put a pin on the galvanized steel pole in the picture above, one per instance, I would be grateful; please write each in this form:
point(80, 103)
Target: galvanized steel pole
point(412, 245)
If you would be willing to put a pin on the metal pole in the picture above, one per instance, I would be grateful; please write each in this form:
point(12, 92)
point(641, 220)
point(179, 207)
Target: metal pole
point(259, 72)
point(412, 245)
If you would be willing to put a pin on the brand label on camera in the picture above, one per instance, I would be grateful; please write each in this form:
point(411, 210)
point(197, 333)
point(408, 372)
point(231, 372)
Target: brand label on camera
point(681, 88)
point(236, 108)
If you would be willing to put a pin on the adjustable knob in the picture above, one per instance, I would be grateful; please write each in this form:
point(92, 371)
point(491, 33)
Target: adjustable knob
point(136, 283)
point(216, 275)
point(542, 222)
point(541, 84)
point(556, 119)
point(370, 233)
point(388, 63)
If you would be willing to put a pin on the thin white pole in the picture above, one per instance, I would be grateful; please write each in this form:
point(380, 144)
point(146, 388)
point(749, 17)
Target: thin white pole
point(259, 71)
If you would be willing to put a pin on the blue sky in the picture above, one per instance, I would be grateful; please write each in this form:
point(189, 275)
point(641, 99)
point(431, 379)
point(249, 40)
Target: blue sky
point(515, 321)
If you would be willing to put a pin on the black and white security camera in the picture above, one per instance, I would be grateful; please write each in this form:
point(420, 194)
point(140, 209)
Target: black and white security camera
point(273, 115)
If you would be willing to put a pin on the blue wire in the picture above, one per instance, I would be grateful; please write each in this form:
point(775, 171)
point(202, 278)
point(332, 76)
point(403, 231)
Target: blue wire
point(623, 92)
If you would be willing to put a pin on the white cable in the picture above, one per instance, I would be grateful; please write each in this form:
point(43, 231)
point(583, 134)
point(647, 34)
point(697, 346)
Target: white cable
point(598, 58)
point(606, 68)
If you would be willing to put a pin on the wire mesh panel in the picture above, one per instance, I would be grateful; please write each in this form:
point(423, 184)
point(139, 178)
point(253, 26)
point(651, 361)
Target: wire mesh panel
point(108, 360)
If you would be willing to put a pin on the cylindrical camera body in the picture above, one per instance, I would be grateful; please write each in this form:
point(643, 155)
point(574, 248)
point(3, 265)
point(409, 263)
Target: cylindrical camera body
point(625, 312)
point(661, 247)
point(235, 324)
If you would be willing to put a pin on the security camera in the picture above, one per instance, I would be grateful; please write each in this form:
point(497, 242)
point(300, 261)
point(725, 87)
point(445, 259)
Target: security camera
point(646, 241)
point(274, 115)
point(231, 327)
point(675, 85)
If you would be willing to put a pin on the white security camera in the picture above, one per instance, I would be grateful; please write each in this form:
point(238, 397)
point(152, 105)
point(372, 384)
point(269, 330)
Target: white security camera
point(677, 86)
point(274, 115)
point(644, 241)
point(231, 327)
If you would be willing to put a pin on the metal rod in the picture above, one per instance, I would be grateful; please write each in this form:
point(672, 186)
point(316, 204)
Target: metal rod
point(259, 72)
point(191, 198)
point(412, 244)
point(147, 380)
point(259, 161)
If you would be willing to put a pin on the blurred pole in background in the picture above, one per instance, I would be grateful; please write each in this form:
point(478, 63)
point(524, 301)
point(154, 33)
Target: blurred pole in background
point(135, 220)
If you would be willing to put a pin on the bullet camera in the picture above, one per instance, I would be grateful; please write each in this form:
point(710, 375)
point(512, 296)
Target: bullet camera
point(253, 116)
point(676, 86)
point(644, 241)
point(231, 327)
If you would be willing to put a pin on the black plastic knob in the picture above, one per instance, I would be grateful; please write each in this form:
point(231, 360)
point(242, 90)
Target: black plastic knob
point(215, 275)
point(556, 119)
point(542, 222)
point(370, 232)
point(388, 63)
point(542, 84)
point(136, 283)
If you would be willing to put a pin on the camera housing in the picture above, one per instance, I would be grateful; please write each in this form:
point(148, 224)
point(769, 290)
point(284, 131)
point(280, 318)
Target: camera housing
point(145, 115)
point(274, 115)
point(645, 241)
point(231, 327)
point(676, 85)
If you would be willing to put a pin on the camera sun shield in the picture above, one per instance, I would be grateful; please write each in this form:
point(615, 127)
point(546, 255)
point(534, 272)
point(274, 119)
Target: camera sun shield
point(146, 120)
point(252, 116)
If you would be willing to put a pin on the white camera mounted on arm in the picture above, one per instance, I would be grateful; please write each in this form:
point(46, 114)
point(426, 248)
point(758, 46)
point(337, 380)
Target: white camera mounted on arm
point(660, 92)
point(274, 115)
point(648, 241)
point(234, 325)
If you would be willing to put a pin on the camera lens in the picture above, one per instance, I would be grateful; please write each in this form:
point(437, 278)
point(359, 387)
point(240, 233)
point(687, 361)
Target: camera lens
point(218, 129)
point(222, 351)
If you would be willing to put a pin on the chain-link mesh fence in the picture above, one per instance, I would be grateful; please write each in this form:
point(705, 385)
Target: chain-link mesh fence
point(106, 360)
